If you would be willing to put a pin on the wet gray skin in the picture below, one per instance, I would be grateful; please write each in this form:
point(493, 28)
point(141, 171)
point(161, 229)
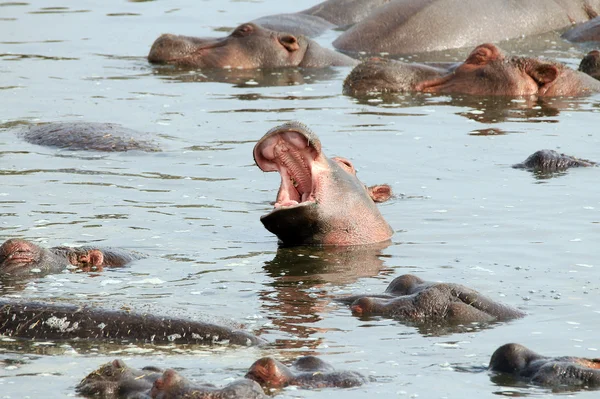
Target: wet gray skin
point(445, 24)
point(117, 380)
point(171, 385)
point(409, 298)
point(317, 19)
point(45, 321)
point(23, 258)
point(590, 64)
point(549, 161)
point(271, 373)
point(320, 201)
point(586, 32)
point(249, 46)
point(378, 75)
point(564, 371)
point(108, 137)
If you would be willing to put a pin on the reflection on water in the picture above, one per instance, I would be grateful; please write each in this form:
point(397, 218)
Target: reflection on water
point(247, 77)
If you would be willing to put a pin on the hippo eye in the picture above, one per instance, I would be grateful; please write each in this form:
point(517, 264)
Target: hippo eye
point(243, 30)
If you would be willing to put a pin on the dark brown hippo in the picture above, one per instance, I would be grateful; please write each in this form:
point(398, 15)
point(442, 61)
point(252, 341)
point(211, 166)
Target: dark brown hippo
point(379, 75)
point(24, 258)
point(317, 19)
point(586, 32)
point(549, 161)
point(117, 380)
point(249, 46)
point(590, 64)
point(410, 299)
point(320, 201)
point(486, 72)
point(109, 137)
point(417, 26)
point(46, 321)
point(566, 371)
point(313, 373)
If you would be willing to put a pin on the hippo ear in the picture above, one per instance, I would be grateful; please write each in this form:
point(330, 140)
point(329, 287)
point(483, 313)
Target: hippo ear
point(289, 42)
point(380, 192)
point(483, 54)
point(96, 258)
point(543, 73)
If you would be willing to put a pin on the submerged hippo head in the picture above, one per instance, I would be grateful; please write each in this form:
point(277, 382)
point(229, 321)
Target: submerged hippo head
point(248, 46)
point(488, 72)
point(590, 64)
point(320, 201)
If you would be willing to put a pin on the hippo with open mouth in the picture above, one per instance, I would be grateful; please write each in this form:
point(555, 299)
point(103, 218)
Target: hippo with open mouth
point(320, 201)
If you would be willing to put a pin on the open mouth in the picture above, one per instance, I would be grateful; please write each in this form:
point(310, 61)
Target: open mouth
point(292, 154)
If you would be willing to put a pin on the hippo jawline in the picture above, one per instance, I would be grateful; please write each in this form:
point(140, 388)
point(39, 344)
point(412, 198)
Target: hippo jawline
point(296, 224)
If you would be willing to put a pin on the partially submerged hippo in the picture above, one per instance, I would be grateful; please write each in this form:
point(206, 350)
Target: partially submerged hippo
point(321, 17)
point(486, 72)
point(586, 32)
point(417, 26)
point(22, 258)
point(320, 201)
point(548, 161)
point(313, 373)
point(564, 371)
point(410, 299)
point(380, 75)
point(248, 46)
point(590, 64)
point(116, 380)
point(108, 137)
point(46, 321)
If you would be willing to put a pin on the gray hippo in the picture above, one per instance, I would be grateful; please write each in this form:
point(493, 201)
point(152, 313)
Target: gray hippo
point(312, 372)
point(320, 201)
point(485, 72)
point(586, 32)
point(565, 372)
point(317, 19)
point(549, 161)
point(46, 321)
point(411, 299)
point(418, 26)
point(23, 258)
point(107, 137)
point(116, 380)
point(249, 46)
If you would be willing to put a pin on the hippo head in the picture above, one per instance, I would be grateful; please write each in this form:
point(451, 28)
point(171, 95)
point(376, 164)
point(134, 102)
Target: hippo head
point(248, 46)
point(320, 201)
point(590, 64)
point(270, 373)
point(488, 72)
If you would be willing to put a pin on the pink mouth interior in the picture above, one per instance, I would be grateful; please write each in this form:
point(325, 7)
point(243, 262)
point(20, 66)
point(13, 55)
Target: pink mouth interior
point(291, 155)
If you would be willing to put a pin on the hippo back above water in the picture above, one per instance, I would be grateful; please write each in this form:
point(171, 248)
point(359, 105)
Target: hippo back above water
point(417, 26)
point(107, 137)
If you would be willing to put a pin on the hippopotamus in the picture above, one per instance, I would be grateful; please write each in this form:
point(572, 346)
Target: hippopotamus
point(411, 299)
point(317, 19)
point(590, 64)
point(486, 72)
point(381, 75)
point(320, 201)
point(567, 371)
point(417, 26)
point(548, 161)
point(116, 380)
point(107, 137)
point(46, 321)
point(249, 46)
point(586, 32)
point(313, 373)
point(22, 258)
